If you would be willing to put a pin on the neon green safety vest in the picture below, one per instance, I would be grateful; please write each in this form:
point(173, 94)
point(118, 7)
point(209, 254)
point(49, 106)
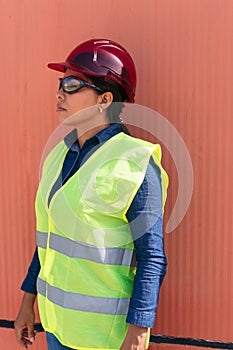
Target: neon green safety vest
point(85, 245)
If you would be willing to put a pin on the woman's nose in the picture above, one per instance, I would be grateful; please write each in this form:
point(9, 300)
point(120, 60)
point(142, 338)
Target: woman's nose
point(60, 95)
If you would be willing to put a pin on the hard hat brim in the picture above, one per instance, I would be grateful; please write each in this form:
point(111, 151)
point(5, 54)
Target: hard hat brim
point(61, 66)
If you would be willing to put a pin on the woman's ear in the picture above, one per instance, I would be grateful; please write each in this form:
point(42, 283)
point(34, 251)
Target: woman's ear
point(105, 99)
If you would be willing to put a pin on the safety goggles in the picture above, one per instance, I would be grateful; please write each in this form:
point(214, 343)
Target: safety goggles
point(73, 84)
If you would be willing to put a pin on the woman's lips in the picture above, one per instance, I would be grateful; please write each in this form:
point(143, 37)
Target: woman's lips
point(60, 109)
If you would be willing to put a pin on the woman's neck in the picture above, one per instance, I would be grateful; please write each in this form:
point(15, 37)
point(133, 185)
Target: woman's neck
point(87, 134)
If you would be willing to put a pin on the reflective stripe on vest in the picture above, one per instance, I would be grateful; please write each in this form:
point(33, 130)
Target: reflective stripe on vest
point(75, 301)
point(101, 255)
point(85, 244)
point(41, 239)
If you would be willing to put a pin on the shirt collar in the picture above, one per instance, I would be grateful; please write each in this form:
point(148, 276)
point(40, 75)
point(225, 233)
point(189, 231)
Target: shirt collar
point(102, 136)
point(105, 134)
point(71, 138)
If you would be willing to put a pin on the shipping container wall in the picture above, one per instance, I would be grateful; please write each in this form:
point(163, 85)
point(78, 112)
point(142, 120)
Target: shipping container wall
point(183, 53)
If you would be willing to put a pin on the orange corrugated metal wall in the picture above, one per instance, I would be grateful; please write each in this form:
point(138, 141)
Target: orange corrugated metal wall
point(183, 52)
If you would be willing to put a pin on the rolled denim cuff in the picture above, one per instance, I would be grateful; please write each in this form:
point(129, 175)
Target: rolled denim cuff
point(141, 318)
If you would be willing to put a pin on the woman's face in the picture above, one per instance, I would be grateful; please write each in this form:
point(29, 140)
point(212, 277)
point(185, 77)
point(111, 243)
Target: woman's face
point(69, 104)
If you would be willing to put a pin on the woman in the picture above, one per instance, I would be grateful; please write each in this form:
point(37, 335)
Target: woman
point(99, 205)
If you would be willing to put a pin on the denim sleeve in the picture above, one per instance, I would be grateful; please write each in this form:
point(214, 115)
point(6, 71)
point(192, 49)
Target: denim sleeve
point(29, 284)
point(146, 223)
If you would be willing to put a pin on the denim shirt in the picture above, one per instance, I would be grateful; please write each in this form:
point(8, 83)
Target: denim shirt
point(145, 220)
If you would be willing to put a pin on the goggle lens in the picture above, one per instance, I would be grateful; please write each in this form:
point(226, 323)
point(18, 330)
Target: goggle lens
point(74, 84)
point(70, 85)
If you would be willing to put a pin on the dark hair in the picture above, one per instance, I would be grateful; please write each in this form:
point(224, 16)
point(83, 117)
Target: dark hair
point(119, 96)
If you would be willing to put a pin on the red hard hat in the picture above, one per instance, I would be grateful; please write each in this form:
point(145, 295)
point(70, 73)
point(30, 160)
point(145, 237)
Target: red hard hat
point(102, 58)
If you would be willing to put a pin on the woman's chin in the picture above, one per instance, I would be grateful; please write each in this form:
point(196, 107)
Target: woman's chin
point(63, 117)
point(67, 120)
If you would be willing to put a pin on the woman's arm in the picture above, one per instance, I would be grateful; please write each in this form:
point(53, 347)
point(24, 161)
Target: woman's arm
point(24, 324)
point(29, 283)
point(146, 221)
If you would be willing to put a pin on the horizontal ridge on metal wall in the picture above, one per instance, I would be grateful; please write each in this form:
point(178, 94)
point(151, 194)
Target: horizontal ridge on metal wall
point(158, 339)
point(190, 342)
